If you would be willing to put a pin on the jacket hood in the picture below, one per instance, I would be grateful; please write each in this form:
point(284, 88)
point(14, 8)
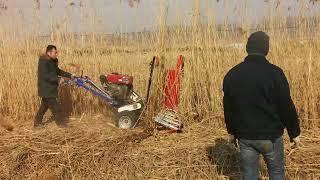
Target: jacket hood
point(44, 56)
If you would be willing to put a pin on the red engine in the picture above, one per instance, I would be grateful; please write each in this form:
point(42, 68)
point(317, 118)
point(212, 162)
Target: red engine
point(119, 79)
point(119, 86)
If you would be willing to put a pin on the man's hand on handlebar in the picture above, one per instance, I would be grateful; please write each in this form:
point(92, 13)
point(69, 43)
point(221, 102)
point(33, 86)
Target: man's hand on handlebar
point(61, 80)
point(73, 76)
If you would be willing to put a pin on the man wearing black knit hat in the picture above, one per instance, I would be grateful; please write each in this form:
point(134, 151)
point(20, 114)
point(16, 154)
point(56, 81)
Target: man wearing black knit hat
point(257, 108)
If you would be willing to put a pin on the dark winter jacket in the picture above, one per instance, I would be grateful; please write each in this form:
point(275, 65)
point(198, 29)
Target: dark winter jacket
point(48, 80)
point(257, 101)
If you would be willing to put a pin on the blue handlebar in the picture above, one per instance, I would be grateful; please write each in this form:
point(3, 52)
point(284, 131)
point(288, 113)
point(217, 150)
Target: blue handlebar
point(89, 85)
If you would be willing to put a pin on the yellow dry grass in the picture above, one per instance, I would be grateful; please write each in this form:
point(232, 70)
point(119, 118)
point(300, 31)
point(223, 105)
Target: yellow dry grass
point(93, 149)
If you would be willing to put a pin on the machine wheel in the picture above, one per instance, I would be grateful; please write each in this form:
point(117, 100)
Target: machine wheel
point(126, 119)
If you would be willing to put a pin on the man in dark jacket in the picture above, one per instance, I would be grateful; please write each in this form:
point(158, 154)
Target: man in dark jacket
point(257, 108)
point(48, 81)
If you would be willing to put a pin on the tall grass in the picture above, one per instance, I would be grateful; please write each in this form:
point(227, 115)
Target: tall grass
point(205, 46)
point(97, 151)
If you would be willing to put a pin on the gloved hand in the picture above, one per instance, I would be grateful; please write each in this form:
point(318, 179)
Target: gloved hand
point(61, 81)
point(73, 76)
point(233, 140)
point(296, 142)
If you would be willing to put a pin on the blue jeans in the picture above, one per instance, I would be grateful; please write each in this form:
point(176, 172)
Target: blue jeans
point(273, 153)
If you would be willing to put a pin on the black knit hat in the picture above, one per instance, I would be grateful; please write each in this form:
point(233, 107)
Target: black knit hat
point(258, 43)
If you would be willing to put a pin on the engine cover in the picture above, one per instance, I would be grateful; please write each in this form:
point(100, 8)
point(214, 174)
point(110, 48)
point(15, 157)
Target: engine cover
point(119, 79)
point(118, 86)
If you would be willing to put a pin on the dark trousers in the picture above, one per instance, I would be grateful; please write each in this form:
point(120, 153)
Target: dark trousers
point(55, 108)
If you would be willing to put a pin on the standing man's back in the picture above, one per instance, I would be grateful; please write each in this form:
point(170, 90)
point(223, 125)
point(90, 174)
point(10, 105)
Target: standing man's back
point(258, 106)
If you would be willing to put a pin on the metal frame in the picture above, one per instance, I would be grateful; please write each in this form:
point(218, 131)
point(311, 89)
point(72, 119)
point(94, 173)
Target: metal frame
point(89, 85)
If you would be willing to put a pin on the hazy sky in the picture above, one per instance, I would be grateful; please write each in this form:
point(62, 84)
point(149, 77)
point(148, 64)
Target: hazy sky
point(117, 16)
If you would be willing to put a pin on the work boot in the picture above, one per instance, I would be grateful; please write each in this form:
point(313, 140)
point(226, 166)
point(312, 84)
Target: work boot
point(63, 125)
point(38, 125)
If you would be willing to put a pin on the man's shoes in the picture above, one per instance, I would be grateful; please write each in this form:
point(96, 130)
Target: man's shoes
point(38, 126)
point(63, 125)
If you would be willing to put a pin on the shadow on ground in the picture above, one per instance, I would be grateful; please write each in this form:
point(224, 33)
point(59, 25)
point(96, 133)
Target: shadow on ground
point(226, 157)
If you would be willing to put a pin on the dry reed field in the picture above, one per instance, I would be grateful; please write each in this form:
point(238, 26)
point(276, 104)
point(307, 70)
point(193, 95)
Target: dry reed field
point(92, 148)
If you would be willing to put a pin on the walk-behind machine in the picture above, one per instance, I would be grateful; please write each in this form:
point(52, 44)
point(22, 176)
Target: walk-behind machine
point(117, 91)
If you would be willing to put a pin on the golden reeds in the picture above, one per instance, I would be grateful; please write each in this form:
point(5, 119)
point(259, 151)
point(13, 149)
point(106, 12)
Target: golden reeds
point(93, 149)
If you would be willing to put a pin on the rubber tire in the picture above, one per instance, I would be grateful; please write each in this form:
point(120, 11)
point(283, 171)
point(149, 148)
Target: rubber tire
point(129, 116)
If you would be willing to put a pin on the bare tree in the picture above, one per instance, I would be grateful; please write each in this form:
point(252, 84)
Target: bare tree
point(37, 4)
point(132, 3)
point(3, 5)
